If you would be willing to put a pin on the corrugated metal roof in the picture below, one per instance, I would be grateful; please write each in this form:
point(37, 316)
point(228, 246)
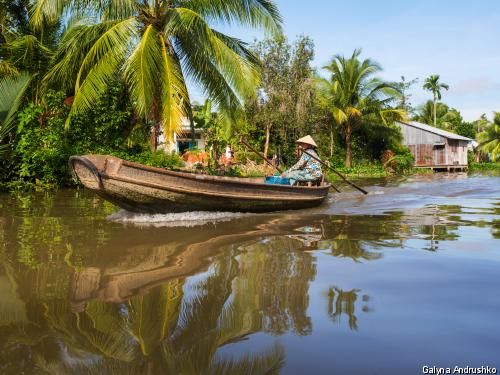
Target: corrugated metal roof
point(434, 130)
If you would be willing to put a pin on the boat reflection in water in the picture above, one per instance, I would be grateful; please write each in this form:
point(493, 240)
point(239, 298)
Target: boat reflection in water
point(139, 310)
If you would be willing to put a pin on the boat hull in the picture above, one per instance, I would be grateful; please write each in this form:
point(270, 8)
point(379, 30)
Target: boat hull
point(139, 188)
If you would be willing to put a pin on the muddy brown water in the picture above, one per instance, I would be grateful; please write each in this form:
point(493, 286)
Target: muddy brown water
point(406, 277)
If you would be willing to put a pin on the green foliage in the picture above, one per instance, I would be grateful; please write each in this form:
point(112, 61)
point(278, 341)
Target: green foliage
point(355, 97)
point(369, 142)
point(41, 152)
point(489, 138)
point(433, 85)
point(12, 90)
point(24, 50)
point(401, 162)
point(155, 159)
point(154, 50)
point(403, 101)
point(243, 156)
point(465, 129)
point(42, 146)
point(446, 118)
point(492, 166)
point(283, 110)
point(373, 169)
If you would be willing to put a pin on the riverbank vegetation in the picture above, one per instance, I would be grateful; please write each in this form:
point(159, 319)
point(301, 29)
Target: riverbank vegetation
point(110, 78)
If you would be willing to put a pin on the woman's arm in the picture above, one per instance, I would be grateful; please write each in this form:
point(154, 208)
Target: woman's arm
point(301, 163)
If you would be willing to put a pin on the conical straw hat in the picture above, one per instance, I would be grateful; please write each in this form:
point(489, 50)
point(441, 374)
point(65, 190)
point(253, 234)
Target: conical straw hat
point(308, 140)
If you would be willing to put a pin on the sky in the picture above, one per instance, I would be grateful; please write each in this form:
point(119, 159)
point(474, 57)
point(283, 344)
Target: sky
point(459, 40)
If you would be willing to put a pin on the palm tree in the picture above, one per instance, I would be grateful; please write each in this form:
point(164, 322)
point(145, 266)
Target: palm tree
point(357, 97)
point(433, 85)
point(446, 118)
point(489, 139)
point(154, 45)
point(324, 94)
point(12, 90)
point(24, 48)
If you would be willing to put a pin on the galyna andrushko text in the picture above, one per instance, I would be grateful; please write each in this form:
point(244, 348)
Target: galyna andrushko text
point(434, 370)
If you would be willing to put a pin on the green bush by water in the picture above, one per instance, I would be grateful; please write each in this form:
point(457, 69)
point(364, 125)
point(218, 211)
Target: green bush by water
point(42, 147)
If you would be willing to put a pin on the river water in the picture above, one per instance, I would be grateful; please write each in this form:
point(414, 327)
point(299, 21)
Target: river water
point(406, 277)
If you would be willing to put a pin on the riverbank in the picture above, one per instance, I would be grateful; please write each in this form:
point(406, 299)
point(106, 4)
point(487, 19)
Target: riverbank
point(488, 166)
point(378, 171)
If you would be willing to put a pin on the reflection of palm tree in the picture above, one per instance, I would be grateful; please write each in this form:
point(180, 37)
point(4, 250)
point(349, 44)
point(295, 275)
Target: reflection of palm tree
point(277, 283)
point(167, 329)
point(342, 239)
point(341, 302)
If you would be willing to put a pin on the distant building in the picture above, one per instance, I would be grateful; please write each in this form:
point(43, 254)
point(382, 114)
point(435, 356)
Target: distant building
point(435, 148)
point(183, 141)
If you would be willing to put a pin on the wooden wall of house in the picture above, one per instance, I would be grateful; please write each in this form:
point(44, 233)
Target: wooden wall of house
point(456, 152)
point(431, 149)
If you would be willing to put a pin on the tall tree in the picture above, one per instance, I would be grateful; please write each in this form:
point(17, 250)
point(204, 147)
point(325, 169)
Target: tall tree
point(324, 96)
point(489, 138)
point(433, 85)
point(404, 86)
point(446, 118)
point(284, 102)
point(481, 123)
point(154, 45)
point(357, 97)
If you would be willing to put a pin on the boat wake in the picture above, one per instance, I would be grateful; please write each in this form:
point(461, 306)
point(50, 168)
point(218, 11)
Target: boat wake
point(180, 219)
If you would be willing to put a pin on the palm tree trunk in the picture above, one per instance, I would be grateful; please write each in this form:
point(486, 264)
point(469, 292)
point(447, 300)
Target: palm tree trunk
point(268, 135)
point(331, 142)
point(434, 102)
point(348, 132)
point(155, 129)
point(155, 132)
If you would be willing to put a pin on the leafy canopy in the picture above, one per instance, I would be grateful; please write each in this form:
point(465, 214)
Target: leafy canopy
point(155, 46)
point(354, 93)
point(433, 85)
point(356, 97)
point(489, 139)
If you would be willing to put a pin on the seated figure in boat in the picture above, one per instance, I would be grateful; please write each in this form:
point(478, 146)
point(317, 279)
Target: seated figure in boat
point(307, 169)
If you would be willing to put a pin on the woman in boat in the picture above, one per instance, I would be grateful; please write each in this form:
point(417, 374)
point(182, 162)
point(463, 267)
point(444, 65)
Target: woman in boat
point(307, 169)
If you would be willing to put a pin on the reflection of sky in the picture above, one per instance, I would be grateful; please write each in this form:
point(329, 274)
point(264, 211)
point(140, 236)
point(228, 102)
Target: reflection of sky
point(456, 39)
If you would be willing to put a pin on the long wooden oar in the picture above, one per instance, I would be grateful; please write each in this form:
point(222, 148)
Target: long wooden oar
point(337, 173)
point(242, 140)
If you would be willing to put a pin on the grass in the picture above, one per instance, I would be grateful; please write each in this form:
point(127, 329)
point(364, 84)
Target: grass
point(486, 166)
point(358, 171)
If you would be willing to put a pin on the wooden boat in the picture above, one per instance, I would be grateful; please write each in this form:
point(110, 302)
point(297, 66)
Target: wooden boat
point(140, 188)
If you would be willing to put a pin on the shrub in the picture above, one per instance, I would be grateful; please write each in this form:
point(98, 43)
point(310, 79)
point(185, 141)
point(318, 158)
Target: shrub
point(401, 162)
point(154, 159)
point(42, 146)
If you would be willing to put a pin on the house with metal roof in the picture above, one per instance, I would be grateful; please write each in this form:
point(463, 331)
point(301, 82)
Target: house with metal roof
point(435, 148)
